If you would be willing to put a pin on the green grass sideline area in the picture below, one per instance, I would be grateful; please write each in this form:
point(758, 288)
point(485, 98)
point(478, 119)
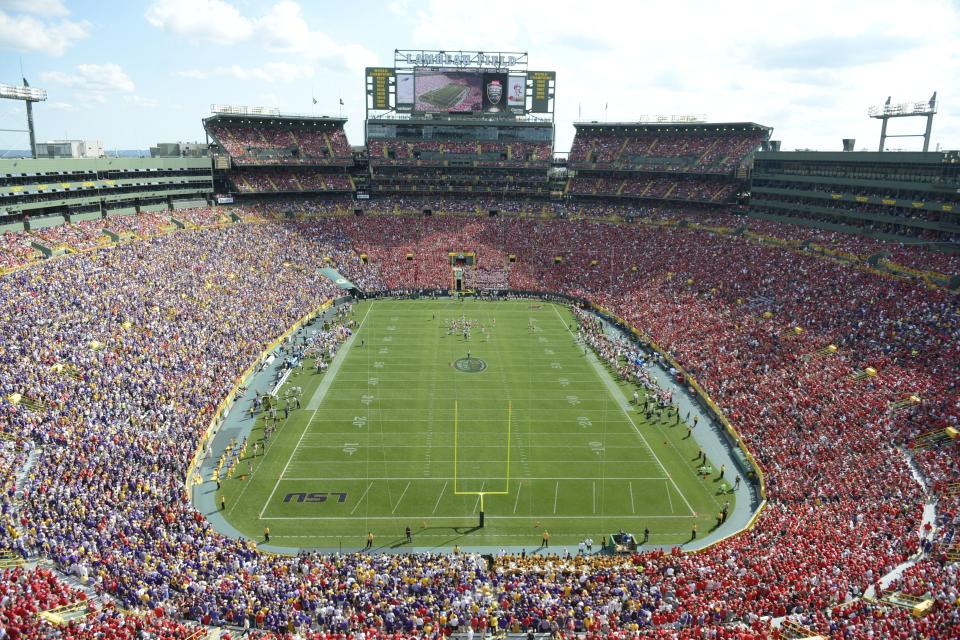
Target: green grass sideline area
point(405, 435)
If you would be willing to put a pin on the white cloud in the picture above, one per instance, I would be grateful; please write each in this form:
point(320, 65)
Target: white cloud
point(779, 64)
point(267, 72)
point(200, 20)
point(282, 29)
point(26, 33)
point(140, 101)
point(51, 8)
point(193, 74)
point(95, 78)
point(60, 106)
point(399, 7)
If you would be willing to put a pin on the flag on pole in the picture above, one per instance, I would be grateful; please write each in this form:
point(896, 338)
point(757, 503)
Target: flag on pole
point(341, 102)
point(314, 101)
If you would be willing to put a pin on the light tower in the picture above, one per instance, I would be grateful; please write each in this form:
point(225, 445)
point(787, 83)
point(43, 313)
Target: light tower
point(905, 110)
point(29, 95)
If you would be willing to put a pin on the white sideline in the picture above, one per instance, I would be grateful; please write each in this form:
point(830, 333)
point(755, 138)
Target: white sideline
point(622, 402)
point(315, 403)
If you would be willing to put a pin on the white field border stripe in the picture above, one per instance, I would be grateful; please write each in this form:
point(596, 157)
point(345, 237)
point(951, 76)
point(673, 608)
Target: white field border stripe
point(343, 354)
point(448, 478)
point(498, 517)
point(605, 378)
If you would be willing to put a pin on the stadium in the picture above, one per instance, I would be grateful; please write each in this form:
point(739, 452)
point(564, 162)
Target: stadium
point(450, 381)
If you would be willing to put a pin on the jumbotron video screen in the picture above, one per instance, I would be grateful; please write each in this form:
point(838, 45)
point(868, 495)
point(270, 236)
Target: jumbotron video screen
point(458, 90)
point(445, 91)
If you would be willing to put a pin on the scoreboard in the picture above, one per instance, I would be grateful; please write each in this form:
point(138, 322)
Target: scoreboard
point(439, 89)
point(381, 84)
point(541, 87)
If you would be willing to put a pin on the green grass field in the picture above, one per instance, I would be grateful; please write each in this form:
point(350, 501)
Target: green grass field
point(402, 438)
point(446, 97)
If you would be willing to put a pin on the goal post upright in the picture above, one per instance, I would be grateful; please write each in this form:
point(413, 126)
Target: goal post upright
point(456, 447)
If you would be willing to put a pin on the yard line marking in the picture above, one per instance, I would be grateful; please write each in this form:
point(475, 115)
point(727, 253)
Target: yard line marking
point(594, 496)
point(400, 499)
point(632, 508)
point(360, 501)
point(556, 492)
point(517, 501)
point(619, 401)
point(668, 497)
point(438, 497)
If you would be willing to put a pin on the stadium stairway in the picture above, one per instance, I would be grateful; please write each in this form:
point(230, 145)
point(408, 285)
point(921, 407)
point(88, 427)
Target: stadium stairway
point(709, 149)
point(863, 374)
point(795, 631)
point(823, 352)
point(929, 518)
point(326, 140)
point(933, 439)
point(912, 399)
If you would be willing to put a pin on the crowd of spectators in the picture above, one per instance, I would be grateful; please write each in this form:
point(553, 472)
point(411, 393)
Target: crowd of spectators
point(177, 317)
point(142, 225)
point(685, 150)
point(25, 593)
point(654, 186)
point(81, 235)
point(477, 153)
point(15, 250)
point(284, 180)
point(271, 143)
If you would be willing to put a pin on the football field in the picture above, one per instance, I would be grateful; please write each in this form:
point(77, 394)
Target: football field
point(406, 430)
point(446, 97)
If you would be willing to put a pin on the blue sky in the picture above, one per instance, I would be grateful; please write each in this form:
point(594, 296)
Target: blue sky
point(134, 73)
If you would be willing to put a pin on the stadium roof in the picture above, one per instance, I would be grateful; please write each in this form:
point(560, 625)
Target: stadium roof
point(863, 157)
point(672, 126)
point(281, 119)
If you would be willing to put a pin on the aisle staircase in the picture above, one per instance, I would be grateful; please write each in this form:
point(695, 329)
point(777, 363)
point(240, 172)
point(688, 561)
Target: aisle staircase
point(66, 614)
point(910, 400)
point(822, 352)
point(933, 439)
point(917, 605)
point(796, 631)
point(9, 559)
point(863, 374)
point(326, 139)
point(708, 150)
